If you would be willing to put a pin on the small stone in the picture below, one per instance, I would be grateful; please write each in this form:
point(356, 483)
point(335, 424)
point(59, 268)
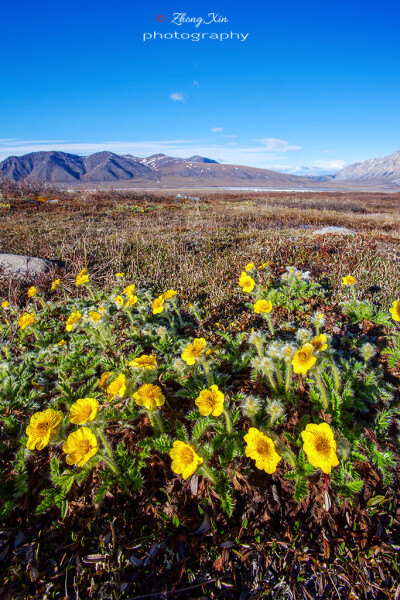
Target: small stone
point(333, 230)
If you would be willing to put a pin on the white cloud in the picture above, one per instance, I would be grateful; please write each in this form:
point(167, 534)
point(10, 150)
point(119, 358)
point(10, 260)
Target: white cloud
point(177, 97)
point(217, 129)
point(229, 136)
point(333, 165)
point(196, 84)
point(277, 145)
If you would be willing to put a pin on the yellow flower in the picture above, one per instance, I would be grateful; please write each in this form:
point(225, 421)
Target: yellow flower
point(169, 294)
point(131, 300)
point(26, 320)
point(95, 316)
point(158, 305)
point(55, 284)
point(303, 359)
point(149, 396)
point(395, 311)
point(102, 382)
point(320, 316)
point(83, 411)
point(129, 290)
point(319, 342)
point(42, 427)
point(211, 402)
point(119, 301)
point(194, 350)
point(263, 306)
point(117, 387)
point(246, 282)
point(263, 266)
point(348, 280)
point(38, 386)
point(80, 446)
point(61, 343)
point(101, 309)
point(249, 267)
point(184, 459)
point(320, 446)
point(119, 275)
point(32, 291)
point(5, 304)
point(144, 362)
point(73, 320)
point(82, 278)
point(261, 449)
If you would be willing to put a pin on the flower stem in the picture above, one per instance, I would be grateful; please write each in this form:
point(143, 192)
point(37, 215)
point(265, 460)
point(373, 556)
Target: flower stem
point(271, 381)
point(271, 327)
point(179, 316)
point(106, 445)
point(317, 328)
point(278, 375)
point(170, 321)
point(110, 464)
point(158, 420)
point(130, 316)
point(354, 292)
point(91, 293)
point(208, 374)
point(336, 374)
point(322, 390)
point(288, 377)
point(96, 337)
point(228, 422)
point(207, 473)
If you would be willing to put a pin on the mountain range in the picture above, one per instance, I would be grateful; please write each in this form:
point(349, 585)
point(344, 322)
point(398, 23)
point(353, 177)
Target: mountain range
point(379, 171)
point(107, 169)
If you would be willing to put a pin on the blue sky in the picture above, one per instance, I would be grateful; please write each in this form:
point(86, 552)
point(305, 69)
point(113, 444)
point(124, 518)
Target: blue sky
point(314, 84)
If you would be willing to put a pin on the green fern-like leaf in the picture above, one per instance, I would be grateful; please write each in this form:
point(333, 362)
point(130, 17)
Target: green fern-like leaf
point(300, 489)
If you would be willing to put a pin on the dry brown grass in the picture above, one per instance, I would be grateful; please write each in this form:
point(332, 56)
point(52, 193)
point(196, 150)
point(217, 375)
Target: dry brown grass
point(201, 247)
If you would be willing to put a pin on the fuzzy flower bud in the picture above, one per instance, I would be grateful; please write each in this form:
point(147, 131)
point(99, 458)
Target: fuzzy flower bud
point(257, 339)
point(251, 406)
point(367, 351)
point(303, 335)
point(275, 410)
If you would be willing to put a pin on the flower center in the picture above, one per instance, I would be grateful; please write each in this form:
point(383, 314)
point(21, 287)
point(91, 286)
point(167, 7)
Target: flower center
point(84, 447)
point(210, 401)
point(323, 446)
point(263, 448)
point(187, 456)
point(43, 428)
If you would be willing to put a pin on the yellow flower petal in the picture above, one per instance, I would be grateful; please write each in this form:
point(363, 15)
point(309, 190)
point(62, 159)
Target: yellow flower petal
point(150, 396)
point(210, 402)
point(320, 446)
point(185, 459)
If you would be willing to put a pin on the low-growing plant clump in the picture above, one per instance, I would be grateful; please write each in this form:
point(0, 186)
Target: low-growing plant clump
point(123, 395)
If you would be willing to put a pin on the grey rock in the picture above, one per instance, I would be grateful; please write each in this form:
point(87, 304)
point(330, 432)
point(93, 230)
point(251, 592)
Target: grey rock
point(183, 197)
point(22, 266)
point(332, 229)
